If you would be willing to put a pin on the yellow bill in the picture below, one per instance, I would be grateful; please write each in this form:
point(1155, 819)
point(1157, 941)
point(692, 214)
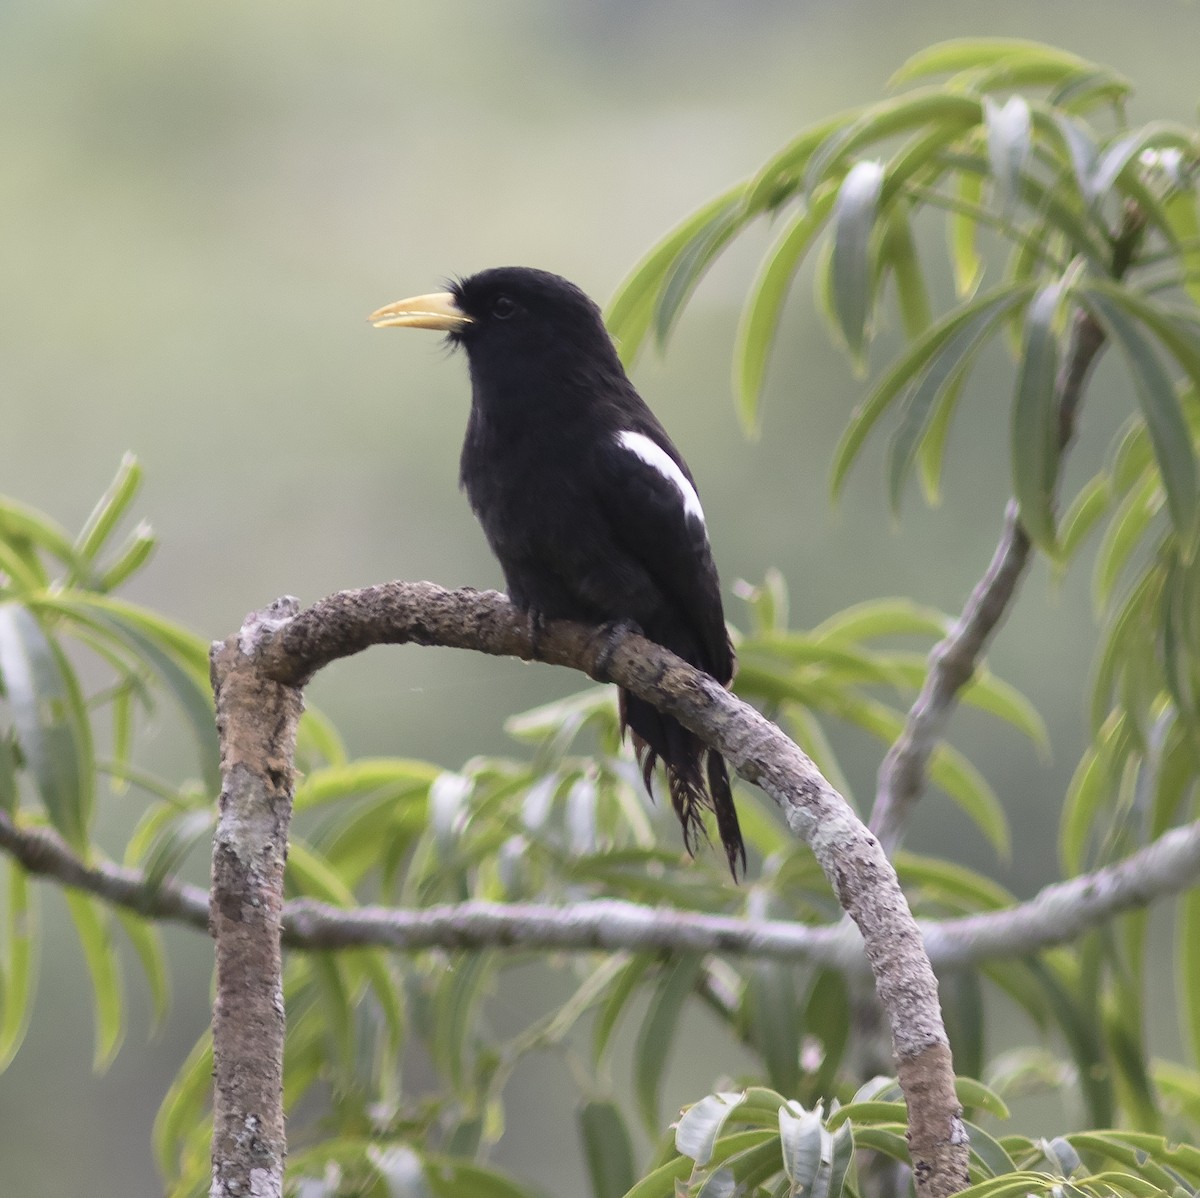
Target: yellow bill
point(435, 311)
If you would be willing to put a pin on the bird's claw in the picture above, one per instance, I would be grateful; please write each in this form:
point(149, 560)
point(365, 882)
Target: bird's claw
point(537, 625)
point(610, 636)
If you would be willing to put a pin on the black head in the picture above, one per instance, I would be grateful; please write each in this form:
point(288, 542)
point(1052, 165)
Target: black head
point(513, 321)
point(524, 313)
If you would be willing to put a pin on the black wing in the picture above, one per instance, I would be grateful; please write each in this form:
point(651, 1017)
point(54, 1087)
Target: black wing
point(653, 513)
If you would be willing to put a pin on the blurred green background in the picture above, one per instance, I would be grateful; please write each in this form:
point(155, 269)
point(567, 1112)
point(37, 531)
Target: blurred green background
point(201, 203)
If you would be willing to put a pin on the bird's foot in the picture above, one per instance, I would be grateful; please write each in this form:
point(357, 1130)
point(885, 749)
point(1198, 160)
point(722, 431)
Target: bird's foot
point(537, 625)
point(610, 636)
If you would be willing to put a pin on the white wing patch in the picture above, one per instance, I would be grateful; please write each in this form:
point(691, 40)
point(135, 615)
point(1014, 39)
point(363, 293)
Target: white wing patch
point(658, 459)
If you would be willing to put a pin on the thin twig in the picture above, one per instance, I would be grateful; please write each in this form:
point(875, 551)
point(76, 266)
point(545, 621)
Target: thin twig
point(1058, 914)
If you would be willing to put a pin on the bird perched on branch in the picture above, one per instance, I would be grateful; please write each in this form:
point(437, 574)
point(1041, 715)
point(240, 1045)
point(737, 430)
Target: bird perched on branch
point(585, 501)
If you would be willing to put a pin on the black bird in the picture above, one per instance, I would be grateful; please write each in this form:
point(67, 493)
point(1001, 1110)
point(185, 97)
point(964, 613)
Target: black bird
point(589, 507)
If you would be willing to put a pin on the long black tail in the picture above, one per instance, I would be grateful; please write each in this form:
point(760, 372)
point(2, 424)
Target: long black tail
point(694, 782)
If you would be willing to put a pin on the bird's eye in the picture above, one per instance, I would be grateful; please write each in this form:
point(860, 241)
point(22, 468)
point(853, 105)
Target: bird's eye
point(503, 307)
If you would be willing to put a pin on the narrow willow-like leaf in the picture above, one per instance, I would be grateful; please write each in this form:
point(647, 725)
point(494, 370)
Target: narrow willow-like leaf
point(956, 886)
point(960, 54)
point(1125, 532)
point(1187, 970)
point(963, 230)
point(760, 315)
point(932, 106)
point(879, 618)
point(1120, 152)
point(179, 660)
point(129, 559)
point(147, 943)
point(1081, 149)
point(1009, 130)
point(1181, 212)
point(932, 449)
point(701, 1124)
point(910, 367)
point(691, 265)
point(826, 1016)
point(19, 970)
point(800, 1139)
point(942, 372)
point(91, 925)
point(615, 1004)
point(35, 533)
point(1169, 432)
point(854, 214)
point(951, 771)
point(962, 1005)
point(183, 1108)
point(987, 1153)
point(51, 721)
point(630, 314)
point(1174, 326)
point(900, 252)
point(773, 1019)
point(456, 1004)
point(657, 1034)
point(1076, 1020)
point(1084, 513)
point(781, 177)
point(607, 1149)
point(108, 511)
point(1122, 631)
point(1035, 431)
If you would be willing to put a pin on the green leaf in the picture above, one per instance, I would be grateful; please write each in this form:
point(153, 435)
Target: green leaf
point(459, 994)
point(826, 1016)
point(945, 370)
point(967, 787)
point(1081, 148)
point(129, 559)
point(963, 232)
point(854, 214)
point(898, 252)
point(801, 1141)
point(19, 969)
point(700, 1125)
point(974, 1094)
point(1125, 532)
point(961, 54)
point(881, 618)
point(962, 1006)
point(946, 113)
point(1169, 432)
point(1085, 512)
point(657, 1033)
point(147, 943)
point(1009, 131)
point(92, 927)
point(1185, 222)
point(909, 368)
point(105, 515)
point(691, 265)
point(760, 315)
point(631, 312)
point(773, 1019)
point(947, 883)
point(183, 1108)
point(1187, 970)
point(51, 721)
point(618, 998)
point(179, 659)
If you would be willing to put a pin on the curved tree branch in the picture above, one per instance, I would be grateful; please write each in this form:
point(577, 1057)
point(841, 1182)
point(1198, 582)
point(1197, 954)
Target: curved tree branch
point(902, 774)
point(286, 652)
